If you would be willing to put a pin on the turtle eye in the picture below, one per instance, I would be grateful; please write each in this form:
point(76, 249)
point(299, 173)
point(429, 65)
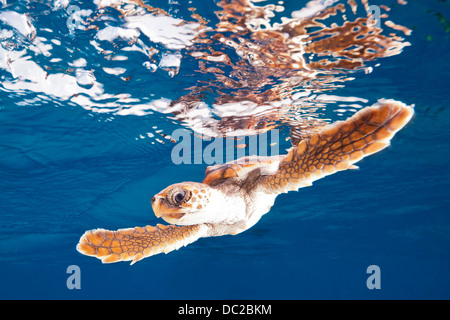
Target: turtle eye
point(179, 196)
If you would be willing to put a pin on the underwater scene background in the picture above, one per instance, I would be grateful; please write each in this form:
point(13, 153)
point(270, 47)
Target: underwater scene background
point(92, 91)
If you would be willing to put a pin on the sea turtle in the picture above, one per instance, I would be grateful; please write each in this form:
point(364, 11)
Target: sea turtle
point(233, 196)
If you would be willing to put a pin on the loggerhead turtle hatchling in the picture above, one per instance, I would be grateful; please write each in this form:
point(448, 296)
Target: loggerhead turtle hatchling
point(235, 195)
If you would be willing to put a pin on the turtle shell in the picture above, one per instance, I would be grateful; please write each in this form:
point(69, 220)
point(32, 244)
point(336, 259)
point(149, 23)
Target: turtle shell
point(239, 169)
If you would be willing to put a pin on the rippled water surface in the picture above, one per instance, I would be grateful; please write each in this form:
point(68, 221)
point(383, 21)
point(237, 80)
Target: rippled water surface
point(91, 93)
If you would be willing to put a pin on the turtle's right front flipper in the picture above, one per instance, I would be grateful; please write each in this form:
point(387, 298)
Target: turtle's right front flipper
point(134, 244)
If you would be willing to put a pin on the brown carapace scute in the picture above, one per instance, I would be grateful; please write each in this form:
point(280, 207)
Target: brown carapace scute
point(336, 147)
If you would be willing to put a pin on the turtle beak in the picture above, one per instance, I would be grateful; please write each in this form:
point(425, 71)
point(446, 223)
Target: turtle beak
point(156, 200)
point(164, 211)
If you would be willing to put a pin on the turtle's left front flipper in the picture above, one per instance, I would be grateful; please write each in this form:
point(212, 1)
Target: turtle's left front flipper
point(134, 244)
point(338, 146)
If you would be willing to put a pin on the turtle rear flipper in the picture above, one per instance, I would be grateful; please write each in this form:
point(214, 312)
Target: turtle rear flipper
point(134, 244)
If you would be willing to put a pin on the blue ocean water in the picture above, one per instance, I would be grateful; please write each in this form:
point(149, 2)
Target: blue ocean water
point(65, 169)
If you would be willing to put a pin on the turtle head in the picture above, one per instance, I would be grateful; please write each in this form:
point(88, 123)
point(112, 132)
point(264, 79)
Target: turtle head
point(184, 203)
